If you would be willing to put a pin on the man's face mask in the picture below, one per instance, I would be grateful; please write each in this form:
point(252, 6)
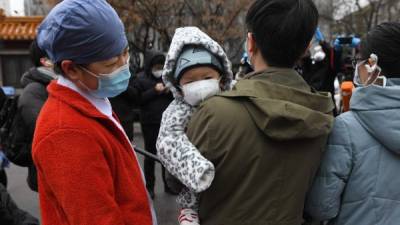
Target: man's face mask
point(112, 84)
point(198, 91)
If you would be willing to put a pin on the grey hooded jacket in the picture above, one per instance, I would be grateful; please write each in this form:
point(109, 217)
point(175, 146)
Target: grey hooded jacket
point(358, 182)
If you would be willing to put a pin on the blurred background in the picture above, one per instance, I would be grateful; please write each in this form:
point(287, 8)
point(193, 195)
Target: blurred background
point(150, 26)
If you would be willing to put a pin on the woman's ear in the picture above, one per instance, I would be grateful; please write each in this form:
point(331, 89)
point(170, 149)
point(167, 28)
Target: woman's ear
point(71, 70)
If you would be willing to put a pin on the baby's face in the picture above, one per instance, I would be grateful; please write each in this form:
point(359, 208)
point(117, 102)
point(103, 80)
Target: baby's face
point(197, 74)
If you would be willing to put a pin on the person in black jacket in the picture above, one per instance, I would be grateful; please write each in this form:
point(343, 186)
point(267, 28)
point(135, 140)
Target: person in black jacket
point(319, 74)
point(3, 158)
point(123, 106)
point(154, 99)
point(10, 214)
point(33, 97)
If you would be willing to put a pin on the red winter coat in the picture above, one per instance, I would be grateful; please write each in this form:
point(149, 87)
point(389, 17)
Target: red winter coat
point(87, 171)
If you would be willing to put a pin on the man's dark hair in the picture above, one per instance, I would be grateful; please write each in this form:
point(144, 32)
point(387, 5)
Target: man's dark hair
point(282, 29)
point(36, 53)
point(384, 41)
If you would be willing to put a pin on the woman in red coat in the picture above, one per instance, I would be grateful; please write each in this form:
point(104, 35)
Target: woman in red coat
point(88, 173)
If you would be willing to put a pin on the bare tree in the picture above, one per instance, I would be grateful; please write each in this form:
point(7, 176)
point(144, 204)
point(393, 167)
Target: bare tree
point(326, 16)
point(357, 18)
point(51, 3)
point(152, 23)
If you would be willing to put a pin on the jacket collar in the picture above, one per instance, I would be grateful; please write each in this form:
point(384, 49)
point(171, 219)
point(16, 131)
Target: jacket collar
point(74, 99)
point(102, 104)
point(283, 76)
point(283, 85)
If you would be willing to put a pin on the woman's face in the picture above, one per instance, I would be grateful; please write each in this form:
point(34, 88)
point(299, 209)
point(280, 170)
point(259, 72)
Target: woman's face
point(104, 67)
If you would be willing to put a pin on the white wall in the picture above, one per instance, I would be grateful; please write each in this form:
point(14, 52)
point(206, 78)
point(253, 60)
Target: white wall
point(5, 4)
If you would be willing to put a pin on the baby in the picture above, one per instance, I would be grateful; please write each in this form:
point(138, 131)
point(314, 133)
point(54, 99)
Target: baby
point(196, 68)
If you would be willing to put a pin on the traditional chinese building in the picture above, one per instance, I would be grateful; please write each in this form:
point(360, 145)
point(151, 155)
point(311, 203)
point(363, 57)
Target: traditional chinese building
point(16, 34)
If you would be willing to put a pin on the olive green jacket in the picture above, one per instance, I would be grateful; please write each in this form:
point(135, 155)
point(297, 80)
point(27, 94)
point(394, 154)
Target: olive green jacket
point(265, 139)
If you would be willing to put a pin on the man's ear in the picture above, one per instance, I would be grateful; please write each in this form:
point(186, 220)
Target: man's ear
point(71, 70)
point(251, 45)
point(309, 46)
point(306, 52)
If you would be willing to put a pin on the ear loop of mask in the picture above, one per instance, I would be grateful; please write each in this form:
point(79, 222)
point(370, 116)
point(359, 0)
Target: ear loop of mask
point(98, 76)
point(91, 73)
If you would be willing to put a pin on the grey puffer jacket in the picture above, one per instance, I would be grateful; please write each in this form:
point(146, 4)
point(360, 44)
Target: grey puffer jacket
point(358, 182)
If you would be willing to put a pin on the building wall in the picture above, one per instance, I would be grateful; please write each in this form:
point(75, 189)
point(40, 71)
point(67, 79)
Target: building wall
point(14, 62)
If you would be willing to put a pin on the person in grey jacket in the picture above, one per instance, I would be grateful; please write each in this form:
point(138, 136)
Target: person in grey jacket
point(358, 182)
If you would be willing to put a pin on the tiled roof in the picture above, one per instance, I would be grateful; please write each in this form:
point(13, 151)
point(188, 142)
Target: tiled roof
point(19, 28)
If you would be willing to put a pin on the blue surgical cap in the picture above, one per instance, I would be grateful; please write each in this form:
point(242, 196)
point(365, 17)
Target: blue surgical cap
point(84, 31)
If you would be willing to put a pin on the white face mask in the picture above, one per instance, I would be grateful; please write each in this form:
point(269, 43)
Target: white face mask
point(198, 91)
point(157, 73)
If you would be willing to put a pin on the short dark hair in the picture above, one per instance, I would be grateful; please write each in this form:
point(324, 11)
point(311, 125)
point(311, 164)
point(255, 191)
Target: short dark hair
point(384, 41)
point(282, 29)
point(36, 53)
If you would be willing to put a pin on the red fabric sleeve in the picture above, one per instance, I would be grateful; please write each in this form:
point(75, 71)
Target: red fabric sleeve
point(74, 168)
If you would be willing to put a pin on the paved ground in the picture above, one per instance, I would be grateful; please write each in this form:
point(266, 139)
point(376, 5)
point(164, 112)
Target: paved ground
point(164, 204)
